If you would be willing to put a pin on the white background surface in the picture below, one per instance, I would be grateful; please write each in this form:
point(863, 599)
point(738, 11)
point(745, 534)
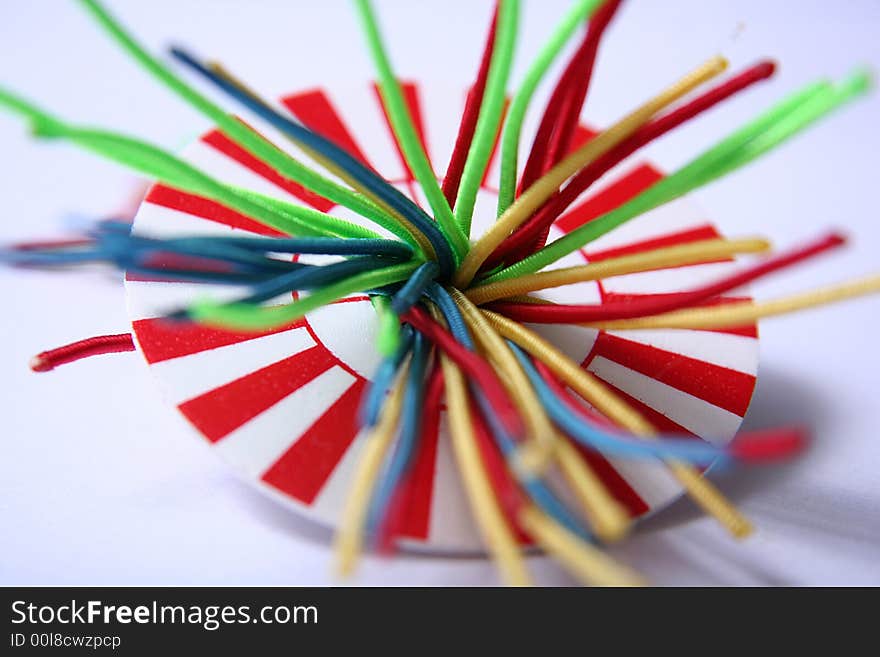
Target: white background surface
point(101, 482)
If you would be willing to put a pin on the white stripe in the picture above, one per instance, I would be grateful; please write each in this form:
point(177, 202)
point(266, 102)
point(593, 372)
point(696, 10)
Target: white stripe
point(361, 113)
point(706, 420)
point(256, 445)
point(334, 493)
point(665, 281)
point(148, 299)
point(735, 352)
point(195, 374)
point(451, 523)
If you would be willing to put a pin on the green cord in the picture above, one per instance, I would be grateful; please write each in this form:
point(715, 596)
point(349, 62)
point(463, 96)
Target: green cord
point(238, 131)
point(770, 129)
point(388, 339)
point(159, 164)
point(402, 123)
point(579, 12)
point(250, 317)
point(489, 118)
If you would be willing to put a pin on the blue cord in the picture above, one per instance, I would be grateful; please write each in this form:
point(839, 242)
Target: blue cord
point(371, 405)
point(351, 165)
point(536, 489)
point(674, 448)
point(405, 448)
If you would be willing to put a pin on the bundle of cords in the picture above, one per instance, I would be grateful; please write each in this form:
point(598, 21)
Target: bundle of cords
point(451, 305)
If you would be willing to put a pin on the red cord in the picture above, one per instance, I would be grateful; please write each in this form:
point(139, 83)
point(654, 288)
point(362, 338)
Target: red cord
point(392, 527)
point(508, 494)
point(532, 235)
point(563, 110)
point(752, 446)
point(572, 314)
point(770, 444)
point(69, 353)
point(478, 369)
point(469, 120)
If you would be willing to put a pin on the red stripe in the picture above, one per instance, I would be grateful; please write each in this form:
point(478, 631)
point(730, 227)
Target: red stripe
point(229, 148)
point(315, 111)
point(198, 206)
point(496, 144)
point(720, 386)
point(414, 106)
point(161, 339)
point(305, 467)
point(748, 331)
point(220, 411)
point(417, 489)
point(695, 234)
point(619, 192)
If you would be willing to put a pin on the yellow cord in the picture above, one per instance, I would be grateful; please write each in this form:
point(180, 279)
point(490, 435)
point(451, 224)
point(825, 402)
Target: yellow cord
point(670, 256)
point(500, 539)
point(532, 198)
point(349, 537)
point(542, 444)
point(745, 312)
point(608, 518)
point(589, 564)
point(614, 408)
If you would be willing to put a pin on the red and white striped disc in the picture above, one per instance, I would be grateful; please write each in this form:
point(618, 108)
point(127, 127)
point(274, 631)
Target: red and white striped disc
point(281, 406)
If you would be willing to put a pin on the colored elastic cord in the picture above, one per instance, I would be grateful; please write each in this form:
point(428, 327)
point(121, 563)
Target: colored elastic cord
point(310, 277)
point(248, 317)
point(402, 122)
point(536, 489)
point(408, 437)
point(173, 171)
point(312, 245)
point(715, 162)
point(352, 168)
point(407, 296)
point(46, 361)
point(371, 404)
point(349, 536)
point(533, 234)
point(465, 136)
point(563, 110)
point(579, 12)
point(394, 526)
point(623, 415)
point(552, 313)
point(474, 366)
point(491, 113)
point(745, 313)
point(411, 291)
point(691, 253)
point(547, 185)
point(482, 495)
point(688, 450)
point(233, 128)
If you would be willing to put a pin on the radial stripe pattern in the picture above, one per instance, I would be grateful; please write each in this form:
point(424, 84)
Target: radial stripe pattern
point(281, 406)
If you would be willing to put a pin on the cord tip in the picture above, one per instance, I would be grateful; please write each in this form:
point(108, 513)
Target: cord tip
point(40, 364)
